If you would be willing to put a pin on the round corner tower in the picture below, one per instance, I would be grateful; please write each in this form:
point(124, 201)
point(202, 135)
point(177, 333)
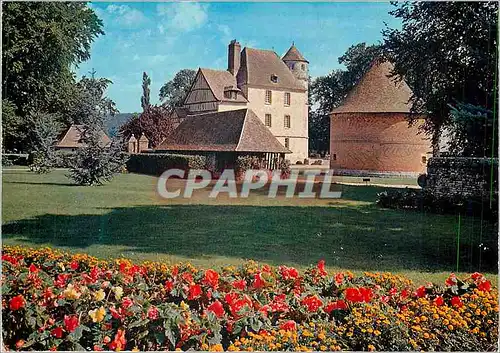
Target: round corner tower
point(297, 64)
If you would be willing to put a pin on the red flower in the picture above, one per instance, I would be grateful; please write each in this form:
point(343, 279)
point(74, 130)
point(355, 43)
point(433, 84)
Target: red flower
point(279, 303)
point(312, 303)
point(127, 302)
point(358, 295)
point(187, 277)
point(57, 332)
point(289, 325)
point(405, 293)
point(288, 272)
point(241, 284)
point(438, 301)
point(476, 275)
point(175, 271)
point(239, 304)
point(321, 268)
point(338, 305)
point(33, 268)
point(71, 322)
point(393, 291)
point(194, 291)
point(211, 278)
point(74, 265)
point(484, 286)
point(17, 302)
point(119, 342)
point(451, 280)
point(420, 292)
point(339, 278)
point(456, 301)
point(217, 308)
point(97, 348)
point(257, 282)
point(61, 280)
point(153, 313)
point(10, 259)
point(169, 285)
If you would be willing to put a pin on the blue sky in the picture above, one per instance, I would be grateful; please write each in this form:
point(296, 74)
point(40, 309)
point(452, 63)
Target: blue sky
point(162, 38)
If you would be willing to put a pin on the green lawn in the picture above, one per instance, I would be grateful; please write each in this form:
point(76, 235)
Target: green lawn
point(126, 218)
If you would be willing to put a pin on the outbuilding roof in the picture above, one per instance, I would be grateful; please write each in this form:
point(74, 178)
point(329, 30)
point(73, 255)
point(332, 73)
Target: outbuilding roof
point(72, 138)
point(376, 92)
point(232, 131)
point(219, 80)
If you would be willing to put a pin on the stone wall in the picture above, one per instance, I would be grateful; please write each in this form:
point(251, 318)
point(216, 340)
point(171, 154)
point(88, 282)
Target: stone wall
point(461, 176)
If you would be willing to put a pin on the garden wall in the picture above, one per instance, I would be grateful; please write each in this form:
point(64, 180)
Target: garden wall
point(157, 163)
point(461, 176)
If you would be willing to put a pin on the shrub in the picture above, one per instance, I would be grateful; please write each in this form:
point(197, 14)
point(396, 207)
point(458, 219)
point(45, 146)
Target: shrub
point(58, 301)
point(416, 199)
point(157, 163)
point(298, 163)
point(15, 159)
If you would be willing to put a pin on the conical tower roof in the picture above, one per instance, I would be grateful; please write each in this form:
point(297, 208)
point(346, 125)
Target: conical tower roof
point(293, 54)
point(376, 92)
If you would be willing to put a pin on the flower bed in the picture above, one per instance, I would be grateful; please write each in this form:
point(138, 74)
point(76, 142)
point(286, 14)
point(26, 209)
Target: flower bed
point(57, 301)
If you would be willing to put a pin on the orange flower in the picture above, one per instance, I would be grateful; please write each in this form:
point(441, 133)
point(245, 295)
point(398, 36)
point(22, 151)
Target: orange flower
point(119, 342)
point(211, 278)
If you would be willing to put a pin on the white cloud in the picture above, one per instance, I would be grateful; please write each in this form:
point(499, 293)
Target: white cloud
point(126, 15)
point(183, 16)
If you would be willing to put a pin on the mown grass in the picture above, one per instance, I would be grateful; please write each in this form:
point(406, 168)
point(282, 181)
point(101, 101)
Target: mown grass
point(127, 218)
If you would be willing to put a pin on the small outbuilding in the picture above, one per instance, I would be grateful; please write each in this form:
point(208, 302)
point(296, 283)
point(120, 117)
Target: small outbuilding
point(224, 136)
point(72, 139)
point(369, 132)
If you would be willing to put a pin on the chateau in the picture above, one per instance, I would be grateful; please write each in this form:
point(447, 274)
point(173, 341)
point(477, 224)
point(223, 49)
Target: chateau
point(272, 88)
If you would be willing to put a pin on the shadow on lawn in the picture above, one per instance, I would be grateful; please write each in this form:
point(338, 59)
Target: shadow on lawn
point(360, 238)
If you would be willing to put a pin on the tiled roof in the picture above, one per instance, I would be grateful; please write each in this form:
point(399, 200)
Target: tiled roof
point(235, 131)
point(377, 93)
point(293, 54)
point(257, 67)
point(72, 137)
point(218, 80)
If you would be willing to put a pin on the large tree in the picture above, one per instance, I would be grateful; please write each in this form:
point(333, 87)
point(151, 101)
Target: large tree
point(328, 92)
point(446, 52)
point(41, 43)
point(173, 92)
point(145, 99)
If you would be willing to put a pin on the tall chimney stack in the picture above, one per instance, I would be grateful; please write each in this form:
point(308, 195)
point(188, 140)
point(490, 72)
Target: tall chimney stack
point(233, 57)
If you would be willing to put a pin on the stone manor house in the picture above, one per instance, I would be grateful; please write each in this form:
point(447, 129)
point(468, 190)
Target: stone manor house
point(273, 89)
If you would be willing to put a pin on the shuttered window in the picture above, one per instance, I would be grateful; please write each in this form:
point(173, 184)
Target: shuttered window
point(268, 120)
point(269, 97)
point(287, 99)
point(286, 122)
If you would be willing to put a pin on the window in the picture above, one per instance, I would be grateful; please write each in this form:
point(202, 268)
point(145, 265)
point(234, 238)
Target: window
point(286, 122)
point(303, 66)
point(334, 156)
point(274, 78)
point(287, 142)
point(269, 97)
point(287, 99)
point(424, 159)
point(268, 120)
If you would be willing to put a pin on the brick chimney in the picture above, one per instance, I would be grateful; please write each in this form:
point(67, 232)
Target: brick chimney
point(233, 57)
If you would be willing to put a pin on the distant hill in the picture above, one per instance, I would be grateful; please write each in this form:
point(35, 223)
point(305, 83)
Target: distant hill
point(113, 123)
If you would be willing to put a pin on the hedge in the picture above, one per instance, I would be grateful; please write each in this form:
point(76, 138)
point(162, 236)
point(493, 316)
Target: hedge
point(157, 163)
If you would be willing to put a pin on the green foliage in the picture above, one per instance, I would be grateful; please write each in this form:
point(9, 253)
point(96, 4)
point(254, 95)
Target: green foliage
point(146, 82)
point(173, 93)
point(97, 162)
point(157, 163)
point(44, 130)
point(328, 92)
point(41, 41)
point(13, 130)
point(446, 52)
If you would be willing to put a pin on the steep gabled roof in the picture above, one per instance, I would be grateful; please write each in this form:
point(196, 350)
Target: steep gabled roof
point(72, 138)
point(257, 67)
point(377, 93)
point(218, 81)
point(293, 54)
point(232, 131)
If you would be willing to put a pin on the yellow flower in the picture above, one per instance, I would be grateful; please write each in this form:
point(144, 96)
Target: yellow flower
point(99, 295)
point(71, 293)
point(118, 292)
point(135, 349)
point(371, 347)
point(184, 306)
point(97, 315)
